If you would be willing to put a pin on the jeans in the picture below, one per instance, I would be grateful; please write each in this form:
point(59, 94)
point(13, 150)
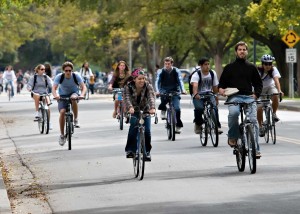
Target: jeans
point(176, 104)
point(131, 144)
point(199, 109)
point(233, 117)
point(12, 87)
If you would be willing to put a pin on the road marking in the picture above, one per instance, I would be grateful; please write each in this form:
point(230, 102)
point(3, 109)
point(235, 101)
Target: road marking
point(289, 140)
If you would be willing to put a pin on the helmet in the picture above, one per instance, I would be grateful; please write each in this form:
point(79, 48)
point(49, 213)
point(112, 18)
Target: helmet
point(137, 71)
point(267, 58)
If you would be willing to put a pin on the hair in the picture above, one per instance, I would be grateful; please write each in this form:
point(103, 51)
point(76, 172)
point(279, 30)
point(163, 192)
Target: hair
point(127, 72)
point(48, 70)
point(67, 64)
point(203, 60)
point(38, 67)
point(168, 59)
point(241, 43)
point(84, 63)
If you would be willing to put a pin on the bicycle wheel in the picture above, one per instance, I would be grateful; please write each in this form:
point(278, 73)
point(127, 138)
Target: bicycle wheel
point(41, 120)
point(273, 130)
point(240, 155)
point(204, 133)
point(213, 128)
point(136, 165)
point(46, 121)
point(168, 125)
point(121, 115)
point(266, 125)
point(251, 148)
point(69, 131)
point(141, 155)
point(173, 123)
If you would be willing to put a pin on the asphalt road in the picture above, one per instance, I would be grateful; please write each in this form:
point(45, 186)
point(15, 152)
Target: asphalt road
point(183, 177)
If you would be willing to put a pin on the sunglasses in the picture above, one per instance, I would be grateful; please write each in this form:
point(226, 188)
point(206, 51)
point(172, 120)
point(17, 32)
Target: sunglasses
point(42, 69)
point(268, 63)
point(67, 70)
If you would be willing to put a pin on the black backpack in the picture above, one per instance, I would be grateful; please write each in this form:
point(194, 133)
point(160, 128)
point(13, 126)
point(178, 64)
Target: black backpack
point(34, 81)
point(199, 73)
point(62, 77)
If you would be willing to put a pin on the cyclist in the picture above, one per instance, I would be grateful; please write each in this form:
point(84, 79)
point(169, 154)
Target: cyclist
point(9, 78)
point(38, 84)
point(86, 73)
point(67, 85)
point(209, 83)
point(244, 76)
point(119, 78)
point(1, 82)
point(270, 78)
point(168, 80)
point(139, 93)
point(20, 80)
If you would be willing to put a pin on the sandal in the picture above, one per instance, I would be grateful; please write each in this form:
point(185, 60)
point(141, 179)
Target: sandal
point(231, 142)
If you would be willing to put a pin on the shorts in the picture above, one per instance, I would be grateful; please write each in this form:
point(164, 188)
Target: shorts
point(267, 90)
point(62, 104)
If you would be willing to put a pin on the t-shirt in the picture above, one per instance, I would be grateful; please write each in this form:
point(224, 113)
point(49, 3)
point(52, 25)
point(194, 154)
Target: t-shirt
point(206, 83)
point(68, 85)
point(269, 81)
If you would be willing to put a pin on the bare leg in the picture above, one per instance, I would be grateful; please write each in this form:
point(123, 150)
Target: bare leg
point(259, 116)
point(62, 121)
point(275, 103)
point(75, 109)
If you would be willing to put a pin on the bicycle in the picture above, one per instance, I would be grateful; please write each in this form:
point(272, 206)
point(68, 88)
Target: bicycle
point(120, 114)
point(210, 123)
point(140, 156)
point(246, 145)
point(69, 126)
point(171, 115)
point(269, 124)
point(43, 120)
point(9, 89)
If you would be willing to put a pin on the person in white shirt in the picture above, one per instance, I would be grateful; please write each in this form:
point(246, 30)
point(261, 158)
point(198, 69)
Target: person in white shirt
point(86, 73)
point(9, 77)
point(270, 77)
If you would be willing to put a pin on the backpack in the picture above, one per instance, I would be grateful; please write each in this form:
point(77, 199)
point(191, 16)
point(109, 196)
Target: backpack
point(34, 81)
point(62, 77)
point(199, 73)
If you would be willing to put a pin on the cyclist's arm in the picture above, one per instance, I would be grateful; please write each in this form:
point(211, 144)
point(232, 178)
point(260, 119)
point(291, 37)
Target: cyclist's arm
point(181, 84)
point(215, 90)
point(54, 88)
point(151, 98)
point(83, 89)
point(157, 82)
point(127, 100)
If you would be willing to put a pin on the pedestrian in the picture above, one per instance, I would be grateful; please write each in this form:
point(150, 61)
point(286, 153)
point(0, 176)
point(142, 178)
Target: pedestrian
point(169, 80)
point(244, 76)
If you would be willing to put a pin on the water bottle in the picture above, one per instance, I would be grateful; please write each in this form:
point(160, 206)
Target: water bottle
point(120, 95)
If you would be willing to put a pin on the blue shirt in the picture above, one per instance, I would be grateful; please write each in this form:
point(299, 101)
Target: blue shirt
point(68, 86)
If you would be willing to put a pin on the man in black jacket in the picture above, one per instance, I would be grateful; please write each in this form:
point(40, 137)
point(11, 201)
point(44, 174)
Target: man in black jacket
point(244, 76)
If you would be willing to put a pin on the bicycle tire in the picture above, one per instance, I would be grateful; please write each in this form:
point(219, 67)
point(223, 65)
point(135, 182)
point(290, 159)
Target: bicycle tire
point(173, 123)
point(273, 131)
point(251, 147)
point(168, 125)
point(267, 125)
point(46, 121)
point(135, 165)
point(142, 155)
point(69, 131)
point(121, 119)
point(41, 120)
point(204, 134)
point(213, 128)
point(240, 155)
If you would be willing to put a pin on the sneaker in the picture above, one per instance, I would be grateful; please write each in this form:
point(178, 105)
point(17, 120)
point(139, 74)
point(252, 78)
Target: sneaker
point(129, 154)
point(276, 119)
point(178, 130)
point(62, 140)
point(50, 126)
point(148, 156)
point(197, 129)
point(220, 131)
point(261, 132)
point(76, 123)
point(258, 155)
point(37, 115)
point(163, 115)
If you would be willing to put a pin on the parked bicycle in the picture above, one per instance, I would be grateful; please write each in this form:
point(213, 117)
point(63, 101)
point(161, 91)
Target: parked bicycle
point(69, 126)
point(210, 122)
point(171, 115)
point(43, 120)
point(120, 110)
point(269, 124)
point(140, 156)
point(246, 145)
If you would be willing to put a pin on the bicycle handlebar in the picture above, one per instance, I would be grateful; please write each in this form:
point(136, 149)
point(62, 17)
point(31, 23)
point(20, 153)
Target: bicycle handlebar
point(242, 103)
point(69, 98)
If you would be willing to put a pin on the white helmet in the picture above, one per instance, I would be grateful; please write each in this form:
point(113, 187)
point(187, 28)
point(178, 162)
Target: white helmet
point(267, 58)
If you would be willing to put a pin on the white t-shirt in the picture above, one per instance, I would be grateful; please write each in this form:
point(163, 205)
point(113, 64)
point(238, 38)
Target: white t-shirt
point(206, 83)
point(269, 81)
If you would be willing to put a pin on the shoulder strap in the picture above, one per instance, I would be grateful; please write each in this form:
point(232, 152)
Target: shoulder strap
point(212, 76)
point(46, 82)
point(34, 81)
point(75, 79)
point(63, 77)
point(200, 76)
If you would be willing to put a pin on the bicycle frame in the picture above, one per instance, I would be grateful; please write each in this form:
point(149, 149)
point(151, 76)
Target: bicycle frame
point(120, 115)
point(43, 121)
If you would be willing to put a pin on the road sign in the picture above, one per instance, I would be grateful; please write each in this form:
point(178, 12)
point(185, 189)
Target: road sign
point(291, 38)
point(291, 55)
